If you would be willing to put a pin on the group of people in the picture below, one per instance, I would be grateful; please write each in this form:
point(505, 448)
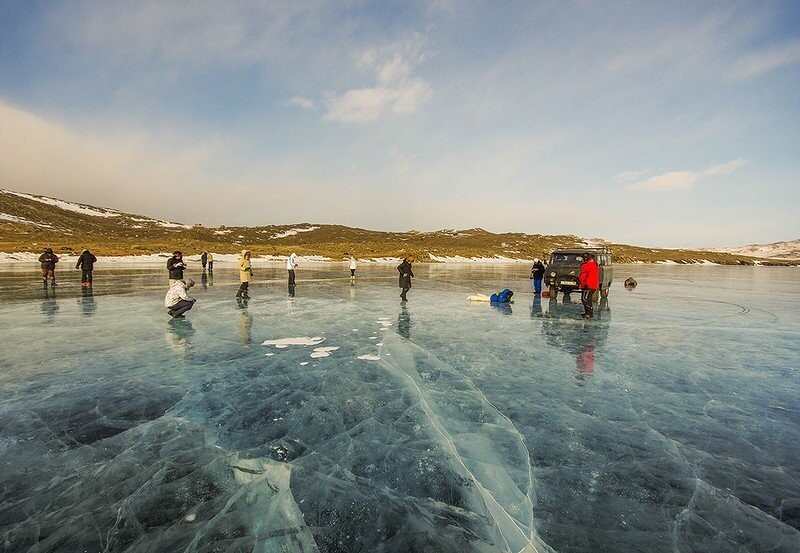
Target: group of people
point(178, 301)
point(85, 263)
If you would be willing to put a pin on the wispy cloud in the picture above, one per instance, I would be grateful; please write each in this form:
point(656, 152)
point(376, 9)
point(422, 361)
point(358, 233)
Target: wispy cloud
point(758, 63)
point(301, 102)
point(684, 180)
point(628, 176)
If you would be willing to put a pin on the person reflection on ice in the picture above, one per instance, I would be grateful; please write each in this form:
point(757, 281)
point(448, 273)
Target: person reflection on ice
point(581, 338)
point(177, 335)
point(49, 306)
point(404, 322)
point(245, 323)
point(584, 362)
point(536, 307)
point(86, 302)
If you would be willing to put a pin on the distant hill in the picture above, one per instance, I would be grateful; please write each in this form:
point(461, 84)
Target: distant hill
point(29, 223)
point(776, 250)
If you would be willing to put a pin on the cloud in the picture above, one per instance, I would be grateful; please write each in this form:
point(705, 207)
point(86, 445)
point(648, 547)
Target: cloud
point(765, 61)
point(630, 175)
point(684, 180)
point(396, 91)
point(301, 102)
point(126, 169)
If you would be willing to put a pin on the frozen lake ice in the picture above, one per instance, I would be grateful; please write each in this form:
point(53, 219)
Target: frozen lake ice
point(671, 422)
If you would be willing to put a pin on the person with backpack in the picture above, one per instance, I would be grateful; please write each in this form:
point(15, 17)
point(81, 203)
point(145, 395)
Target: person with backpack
point(48, 262)
point(86, 263)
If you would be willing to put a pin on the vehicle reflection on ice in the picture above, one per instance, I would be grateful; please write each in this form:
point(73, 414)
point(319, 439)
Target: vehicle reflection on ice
point(563, 328)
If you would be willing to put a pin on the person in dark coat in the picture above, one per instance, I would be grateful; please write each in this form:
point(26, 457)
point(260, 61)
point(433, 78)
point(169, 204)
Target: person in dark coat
point(537, 274)
point(48, 260)
point(175, 266)
point(86, 263)
point(204, 259)
point(405, 276)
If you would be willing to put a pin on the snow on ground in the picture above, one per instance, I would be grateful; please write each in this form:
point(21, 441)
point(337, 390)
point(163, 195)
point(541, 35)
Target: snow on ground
point(77, 208)
point(779, 250)
point(461, 259)
point(293, 232)
point(15, 219)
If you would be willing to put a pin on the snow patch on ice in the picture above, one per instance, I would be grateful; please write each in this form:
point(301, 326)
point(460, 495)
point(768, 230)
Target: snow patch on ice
point(298, 341)
point(323, 351)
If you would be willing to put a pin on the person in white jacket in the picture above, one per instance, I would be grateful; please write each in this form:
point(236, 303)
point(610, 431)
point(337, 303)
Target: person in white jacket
point(177, 300)
point(291, 263)
point(353, 266)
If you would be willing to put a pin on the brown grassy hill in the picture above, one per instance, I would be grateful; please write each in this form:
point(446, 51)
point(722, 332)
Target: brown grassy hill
point(29, 223)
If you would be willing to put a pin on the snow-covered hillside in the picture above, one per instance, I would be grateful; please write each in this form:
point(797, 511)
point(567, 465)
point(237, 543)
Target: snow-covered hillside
point(776, 250)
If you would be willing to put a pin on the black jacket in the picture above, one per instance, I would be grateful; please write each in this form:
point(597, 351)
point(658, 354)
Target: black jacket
point(86, 261)
point(175, 267)
point(405, 274)
point(537, 271)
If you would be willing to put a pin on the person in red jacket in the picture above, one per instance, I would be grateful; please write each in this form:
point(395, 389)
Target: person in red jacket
point(589, 282)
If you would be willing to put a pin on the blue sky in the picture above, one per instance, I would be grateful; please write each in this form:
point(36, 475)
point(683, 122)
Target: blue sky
point(651, 123)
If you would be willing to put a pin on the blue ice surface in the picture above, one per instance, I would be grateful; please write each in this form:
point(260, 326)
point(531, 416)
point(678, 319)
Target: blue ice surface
point(670, 422)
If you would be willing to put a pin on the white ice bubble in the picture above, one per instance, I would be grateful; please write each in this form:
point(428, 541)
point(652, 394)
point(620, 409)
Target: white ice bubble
point(369, 357)
point(319, 354)
point(303, 363)
point(327, 348)
point(190, 518)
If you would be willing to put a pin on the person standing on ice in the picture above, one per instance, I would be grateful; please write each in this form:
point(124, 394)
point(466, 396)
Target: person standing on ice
point(537, 274)
point(245, 272)
point(405, 276)
point(589, 282)
point(177, 300)
point(204, 259)
point(291, 263)
point(210, 259)
point(352, 266)
point(175, 266)
point(48, 260)
point(86, 263)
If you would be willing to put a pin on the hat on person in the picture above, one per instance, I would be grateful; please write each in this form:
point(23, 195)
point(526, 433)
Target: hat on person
point(177, 252)
point(536, 260)
point(188, 282)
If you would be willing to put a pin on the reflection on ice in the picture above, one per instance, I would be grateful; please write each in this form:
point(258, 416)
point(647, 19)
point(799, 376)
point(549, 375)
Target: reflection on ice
point(341, 420)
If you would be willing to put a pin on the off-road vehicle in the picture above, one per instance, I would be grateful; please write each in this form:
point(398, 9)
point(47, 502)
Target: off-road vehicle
point(565, 268)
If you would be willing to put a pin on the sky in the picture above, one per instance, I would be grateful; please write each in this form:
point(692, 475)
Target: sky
point(662, 124)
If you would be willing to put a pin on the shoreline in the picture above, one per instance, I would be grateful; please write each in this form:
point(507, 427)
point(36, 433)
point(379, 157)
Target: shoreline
point(21, 258)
